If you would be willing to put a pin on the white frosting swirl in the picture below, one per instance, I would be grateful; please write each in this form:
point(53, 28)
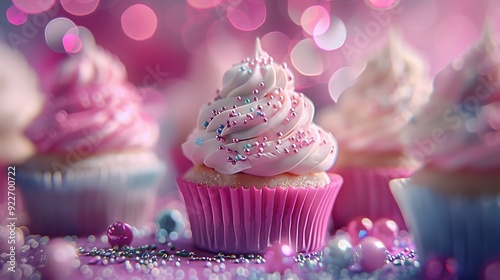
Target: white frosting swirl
point(259, 125)
point(20, 101)
point(459, 128)
point(369, 116)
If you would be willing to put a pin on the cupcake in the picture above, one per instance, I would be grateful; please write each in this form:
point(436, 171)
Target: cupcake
point(367, 121)
point(451, 202)
point(259, 165)
point(94, 162)
point(20, 101)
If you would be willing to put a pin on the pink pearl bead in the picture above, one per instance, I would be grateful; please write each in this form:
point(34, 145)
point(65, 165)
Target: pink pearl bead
point(372, 252)
point(60, 256)
point(339, 251)
point(492, 270)
point(279, 258)
point(386, 230)
point(358, 228)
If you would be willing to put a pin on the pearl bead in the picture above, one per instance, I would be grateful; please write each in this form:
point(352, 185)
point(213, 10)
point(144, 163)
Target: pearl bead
point(278, 258)
point(372, 252)
point(386, 230)
point(60, 256)
point(492, 270)
point(339, 252)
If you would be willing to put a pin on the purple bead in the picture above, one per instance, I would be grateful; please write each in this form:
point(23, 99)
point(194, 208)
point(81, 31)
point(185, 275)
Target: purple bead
point(119, 234)
point(386, 230)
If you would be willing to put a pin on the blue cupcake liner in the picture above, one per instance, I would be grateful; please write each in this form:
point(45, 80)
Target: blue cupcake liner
point(81, 202)
point(466, 229)
point(98, 178)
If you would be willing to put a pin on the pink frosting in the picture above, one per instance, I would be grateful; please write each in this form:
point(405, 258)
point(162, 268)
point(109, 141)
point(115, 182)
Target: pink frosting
point(92, 108)
point(459, 129)
point(259, 125)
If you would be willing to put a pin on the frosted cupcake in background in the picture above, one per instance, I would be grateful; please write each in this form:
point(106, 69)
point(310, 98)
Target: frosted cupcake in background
point(20, 101)
point(451, 203)
point(367, 121)
point(259, 165)
point(94, 162)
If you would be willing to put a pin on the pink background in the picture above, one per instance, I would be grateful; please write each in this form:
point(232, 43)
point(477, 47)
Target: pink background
point(195, 41)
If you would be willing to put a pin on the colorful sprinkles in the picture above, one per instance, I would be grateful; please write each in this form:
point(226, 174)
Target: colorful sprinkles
point(166, 259)
point(258, 104)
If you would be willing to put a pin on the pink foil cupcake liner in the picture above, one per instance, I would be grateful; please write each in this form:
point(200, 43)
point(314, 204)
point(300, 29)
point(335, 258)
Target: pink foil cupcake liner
point(249, 220)
point(366, 193)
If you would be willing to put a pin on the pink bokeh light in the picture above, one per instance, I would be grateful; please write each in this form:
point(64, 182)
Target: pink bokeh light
point(382, 4)
point(276, 44)
point(79, 7)
point(296, 8)
point(32, 6)
point(333, 38)
point(247, 15)
point(315, 19)
point(16, 16)
point(492, 270)
point(338, 32)
point(139, 22)
point(342, 79)
point(55, 31)
point(72, 43)
point(203, 4)
point(306, 58)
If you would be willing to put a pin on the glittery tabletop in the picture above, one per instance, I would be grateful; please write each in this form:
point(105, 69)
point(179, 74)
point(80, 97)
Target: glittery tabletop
point(146, 258)
point(164, 250)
